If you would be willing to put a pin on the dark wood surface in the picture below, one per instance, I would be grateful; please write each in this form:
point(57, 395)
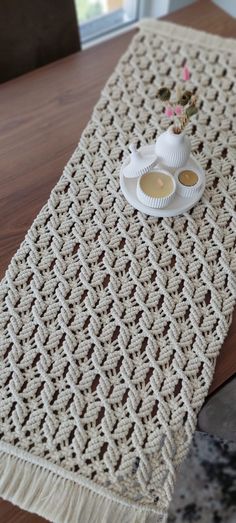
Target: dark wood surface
point(42, 116)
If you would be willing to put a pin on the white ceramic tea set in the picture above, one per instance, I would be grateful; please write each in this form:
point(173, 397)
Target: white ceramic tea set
point(163, 179)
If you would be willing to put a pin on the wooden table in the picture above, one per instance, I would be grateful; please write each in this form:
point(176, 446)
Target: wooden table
point(43, 115)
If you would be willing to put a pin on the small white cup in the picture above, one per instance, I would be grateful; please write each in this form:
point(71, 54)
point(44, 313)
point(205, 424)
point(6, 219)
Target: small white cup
point(188, 191)
point(151, 201)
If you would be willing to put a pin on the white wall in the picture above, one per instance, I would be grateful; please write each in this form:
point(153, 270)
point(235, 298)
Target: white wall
point(157, 8)
point(227, 5)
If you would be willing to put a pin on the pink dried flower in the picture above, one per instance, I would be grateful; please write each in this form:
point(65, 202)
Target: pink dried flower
point(169, 111)
point(185, 73)
point(178, 110)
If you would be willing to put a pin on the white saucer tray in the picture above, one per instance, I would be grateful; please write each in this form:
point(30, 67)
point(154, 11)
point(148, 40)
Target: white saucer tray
point(179, 204)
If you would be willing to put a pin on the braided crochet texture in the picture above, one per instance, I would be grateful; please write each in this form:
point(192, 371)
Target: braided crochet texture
point(111, 321)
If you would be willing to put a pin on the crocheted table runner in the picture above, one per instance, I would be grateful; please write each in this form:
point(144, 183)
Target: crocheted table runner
point(111, 320)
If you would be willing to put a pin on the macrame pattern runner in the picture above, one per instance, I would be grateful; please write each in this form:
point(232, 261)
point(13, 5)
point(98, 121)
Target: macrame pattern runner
point(111, 321)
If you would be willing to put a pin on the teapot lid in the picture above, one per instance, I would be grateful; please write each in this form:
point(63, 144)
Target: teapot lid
point(138, 163)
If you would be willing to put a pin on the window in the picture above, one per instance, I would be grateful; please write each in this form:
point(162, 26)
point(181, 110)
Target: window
point(99, 17)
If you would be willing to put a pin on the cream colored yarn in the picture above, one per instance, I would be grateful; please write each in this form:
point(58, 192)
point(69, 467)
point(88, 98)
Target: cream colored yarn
point(111, 321)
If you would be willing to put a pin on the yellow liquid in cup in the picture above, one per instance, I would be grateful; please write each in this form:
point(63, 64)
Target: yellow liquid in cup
point(188, 178)
point(156, 184)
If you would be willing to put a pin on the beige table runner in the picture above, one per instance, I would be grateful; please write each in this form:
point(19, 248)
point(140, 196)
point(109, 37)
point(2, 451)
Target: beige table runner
point(111, 321)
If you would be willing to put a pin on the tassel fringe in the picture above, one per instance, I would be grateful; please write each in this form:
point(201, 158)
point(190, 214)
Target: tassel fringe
point(180, 32)
point(62, 500)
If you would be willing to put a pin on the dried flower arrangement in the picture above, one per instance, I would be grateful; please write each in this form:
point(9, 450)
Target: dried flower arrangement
point(184, 105)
